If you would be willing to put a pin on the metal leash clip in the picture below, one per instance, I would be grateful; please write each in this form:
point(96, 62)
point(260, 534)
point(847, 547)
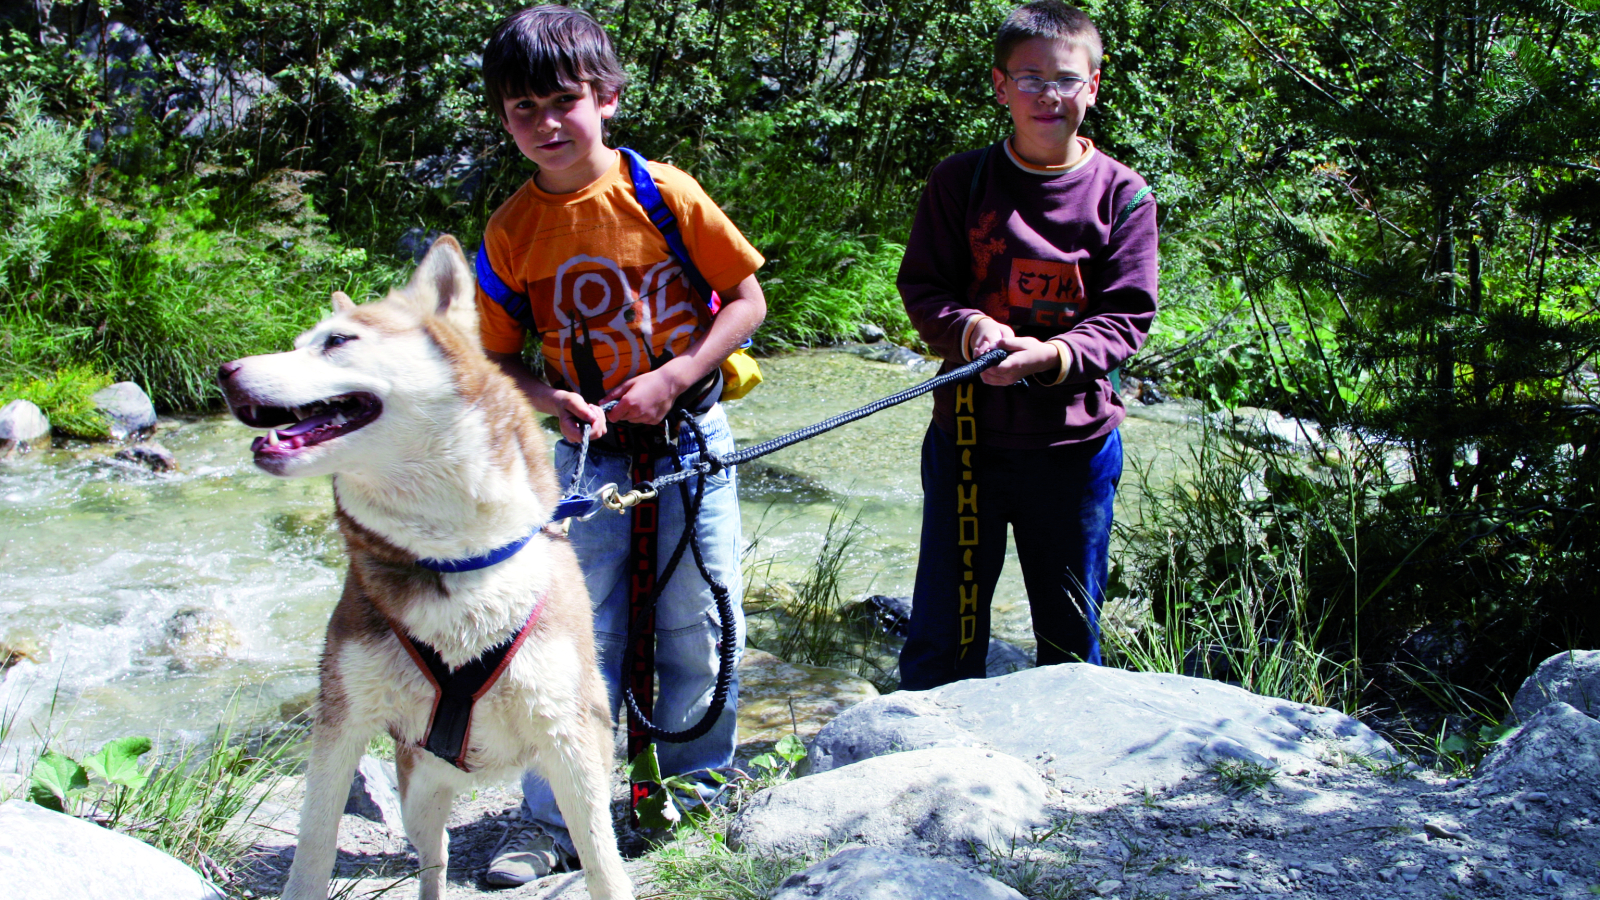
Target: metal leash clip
point(618, 502)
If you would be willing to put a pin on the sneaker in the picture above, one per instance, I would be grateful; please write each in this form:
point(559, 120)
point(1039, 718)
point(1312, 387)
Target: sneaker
point(526, 853)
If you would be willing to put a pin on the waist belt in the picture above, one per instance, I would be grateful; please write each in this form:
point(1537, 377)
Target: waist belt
point(456, 692)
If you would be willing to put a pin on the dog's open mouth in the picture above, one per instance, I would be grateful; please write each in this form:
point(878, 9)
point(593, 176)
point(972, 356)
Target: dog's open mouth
point(314, 423)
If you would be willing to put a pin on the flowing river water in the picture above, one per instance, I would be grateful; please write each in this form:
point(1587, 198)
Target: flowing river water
point(163, 604)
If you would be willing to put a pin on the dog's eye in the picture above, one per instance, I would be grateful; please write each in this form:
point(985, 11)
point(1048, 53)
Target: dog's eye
point(337, 340)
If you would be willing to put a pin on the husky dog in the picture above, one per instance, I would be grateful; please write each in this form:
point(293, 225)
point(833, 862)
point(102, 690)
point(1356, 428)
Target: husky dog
point(439, 471)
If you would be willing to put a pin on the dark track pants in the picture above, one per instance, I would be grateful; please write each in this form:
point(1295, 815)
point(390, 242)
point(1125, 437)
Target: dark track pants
point(1058, 502)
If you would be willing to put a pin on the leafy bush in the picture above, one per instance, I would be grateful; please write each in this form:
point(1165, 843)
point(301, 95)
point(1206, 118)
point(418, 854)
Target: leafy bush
point(40, 159)
point(65, 397)
point(159, 285)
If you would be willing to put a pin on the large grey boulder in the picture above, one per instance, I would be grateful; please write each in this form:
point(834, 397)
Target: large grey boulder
point(46, 854)
point(375, 794)
point(949, 798)
point(1572, 678)
point(22, 423)
point(1098, 727)
point(127, 409)
point(1556, 746)
point(871, 873)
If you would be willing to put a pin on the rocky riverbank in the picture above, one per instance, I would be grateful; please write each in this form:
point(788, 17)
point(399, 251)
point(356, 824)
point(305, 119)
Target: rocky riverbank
point(1076, 781)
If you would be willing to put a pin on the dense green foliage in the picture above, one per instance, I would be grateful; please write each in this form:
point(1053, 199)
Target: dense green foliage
point(1377, 215)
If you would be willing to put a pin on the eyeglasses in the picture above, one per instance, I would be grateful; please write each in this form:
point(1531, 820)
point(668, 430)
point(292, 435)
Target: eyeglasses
point(1033, 84)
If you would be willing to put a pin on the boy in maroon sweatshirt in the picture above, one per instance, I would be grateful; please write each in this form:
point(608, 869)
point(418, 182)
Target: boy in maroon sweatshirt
point(1043, 246)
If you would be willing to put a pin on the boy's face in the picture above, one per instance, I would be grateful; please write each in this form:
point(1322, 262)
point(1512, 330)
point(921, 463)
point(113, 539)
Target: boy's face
point(1046, 122)
point(563, 133)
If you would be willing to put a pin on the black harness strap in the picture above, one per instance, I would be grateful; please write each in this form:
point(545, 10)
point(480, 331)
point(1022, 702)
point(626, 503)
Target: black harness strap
point(455, 693)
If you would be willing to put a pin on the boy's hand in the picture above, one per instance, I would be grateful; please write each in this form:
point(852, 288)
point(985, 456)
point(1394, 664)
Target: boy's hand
point(574, 413)
point(987, 335)
point(645, 399)
point(1029, 356)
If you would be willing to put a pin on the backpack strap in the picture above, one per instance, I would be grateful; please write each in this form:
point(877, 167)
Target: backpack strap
point(515, 304)
point(649, 196)
point(1132, 205)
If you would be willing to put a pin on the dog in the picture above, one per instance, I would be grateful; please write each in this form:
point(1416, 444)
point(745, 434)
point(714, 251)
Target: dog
point(437, 462)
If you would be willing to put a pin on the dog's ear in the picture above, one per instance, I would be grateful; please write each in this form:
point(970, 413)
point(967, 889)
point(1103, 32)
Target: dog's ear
point(342, 302)
point(443, 286)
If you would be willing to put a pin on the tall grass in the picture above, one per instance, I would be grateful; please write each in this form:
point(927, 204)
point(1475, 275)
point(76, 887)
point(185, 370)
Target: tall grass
point(807, 622)
point(159, 289)
point(832, 247)
point(195, 802)
point(153, 282)
point(1226, 569)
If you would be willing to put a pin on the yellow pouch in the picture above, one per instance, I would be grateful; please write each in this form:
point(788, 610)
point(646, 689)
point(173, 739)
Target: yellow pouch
point(740, 374)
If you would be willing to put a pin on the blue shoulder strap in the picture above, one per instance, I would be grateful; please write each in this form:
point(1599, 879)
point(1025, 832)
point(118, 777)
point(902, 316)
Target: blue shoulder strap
point(649, 196)
point(515, 304)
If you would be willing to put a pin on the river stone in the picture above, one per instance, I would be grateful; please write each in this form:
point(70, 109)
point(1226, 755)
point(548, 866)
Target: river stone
point(47, 854)
point(196, 638)
point(150, 455)
point(1100, 727)
point(778, 698)
point(21, 424)
point(952, 798)
point(127, 409)
point(1572, 677)
point(871, 873)
point(1005, 658)
point(375, 794)
point(1556, 746)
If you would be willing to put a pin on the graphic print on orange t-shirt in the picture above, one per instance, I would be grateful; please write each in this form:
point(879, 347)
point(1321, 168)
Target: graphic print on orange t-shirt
point(611, 322)
point(1044, 295)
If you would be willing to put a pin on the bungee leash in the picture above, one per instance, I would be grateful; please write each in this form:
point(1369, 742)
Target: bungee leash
point(711, 463)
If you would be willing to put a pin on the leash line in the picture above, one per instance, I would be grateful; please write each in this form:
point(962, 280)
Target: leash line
point(710, 463)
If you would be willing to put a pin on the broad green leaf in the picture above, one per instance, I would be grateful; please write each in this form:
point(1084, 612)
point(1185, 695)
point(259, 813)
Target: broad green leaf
point(658, 811)
point(645, 767)
point(118, 762)
point(56, 777)
point(791, 748)
point(765, 761)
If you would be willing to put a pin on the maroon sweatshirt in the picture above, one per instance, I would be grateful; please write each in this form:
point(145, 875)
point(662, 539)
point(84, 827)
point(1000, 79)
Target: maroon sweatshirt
point(1036, 251)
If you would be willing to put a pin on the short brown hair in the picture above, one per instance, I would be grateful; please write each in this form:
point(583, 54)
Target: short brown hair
point(543, 49)
point(1047, 19)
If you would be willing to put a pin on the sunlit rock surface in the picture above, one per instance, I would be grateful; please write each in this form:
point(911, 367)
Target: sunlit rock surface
point(1101, 727)
point(47, 854)
point(951, 799)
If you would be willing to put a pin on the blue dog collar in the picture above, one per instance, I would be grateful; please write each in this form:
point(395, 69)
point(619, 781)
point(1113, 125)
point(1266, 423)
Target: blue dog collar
point(483, 561)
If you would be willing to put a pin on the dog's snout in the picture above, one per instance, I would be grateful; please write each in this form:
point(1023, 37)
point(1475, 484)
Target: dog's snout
point(227, 370)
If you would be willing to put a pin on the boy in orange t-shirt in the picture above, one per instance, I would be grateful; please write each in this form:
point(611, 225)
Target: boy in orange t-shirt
point(573, 258)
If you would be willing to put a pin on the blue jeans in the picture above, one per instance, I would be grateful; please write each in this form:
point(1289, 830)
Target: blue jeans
point(1058, 502)
point(688, 629)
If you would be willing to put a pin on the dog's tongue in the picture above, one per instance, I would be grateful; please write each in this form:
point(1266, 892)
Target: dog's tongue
point(307, 424)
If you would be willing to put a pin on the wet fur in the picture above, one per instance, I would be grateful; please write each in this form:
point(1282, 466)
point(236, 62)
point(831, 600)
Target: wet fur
point(454, 466)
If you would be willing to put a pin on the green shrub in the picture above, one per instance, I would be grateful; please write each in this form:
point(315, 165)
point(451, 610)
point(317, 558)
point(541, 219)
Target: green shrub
point(65, 397)
point(159, 285)
point(40, 159)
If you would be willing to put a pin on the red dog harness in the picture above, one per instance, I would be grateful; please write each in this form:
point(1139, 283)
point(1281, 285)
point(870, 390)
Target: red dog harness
point(456, 692)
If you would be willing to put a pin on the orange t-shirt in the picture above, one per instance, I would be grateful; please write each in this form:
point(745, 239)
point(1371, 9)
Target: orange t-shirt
point(604, 293)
